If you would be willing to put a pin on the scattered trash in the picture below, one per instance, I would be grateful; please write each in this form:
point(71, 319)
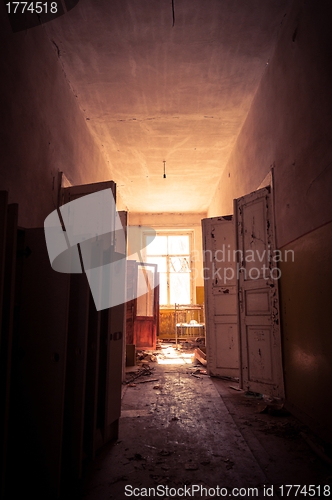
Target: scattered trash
point(156, 387)
point(196, 376)
point(146, 356)
point(144, 371)
point(131, 385)
point(150, 380)
point(251, 394)
point(235, 388)
point(173, 419)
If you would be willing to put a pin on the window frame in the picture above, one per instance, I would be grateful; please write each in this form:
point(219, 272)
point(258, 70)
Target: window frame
point(167, 232)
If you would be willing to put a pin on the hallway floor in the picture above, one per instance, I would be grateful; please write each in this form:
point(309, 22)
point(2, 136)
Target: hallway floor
point(187, 429)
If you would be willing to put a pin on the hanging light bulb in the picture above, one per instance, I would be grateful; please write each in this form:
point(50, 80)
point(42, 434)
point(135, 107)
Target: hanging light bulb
point(164, 176)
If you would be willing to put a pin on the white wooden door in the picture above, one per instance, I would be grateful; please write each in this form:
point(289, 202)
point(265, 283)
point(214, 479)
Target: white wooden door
point(260, 342)
point(220, 293)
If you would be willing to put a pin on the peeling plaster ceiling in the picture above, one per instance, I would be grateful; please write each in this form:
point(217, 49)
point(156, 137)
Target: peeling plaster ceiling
point(151, 91)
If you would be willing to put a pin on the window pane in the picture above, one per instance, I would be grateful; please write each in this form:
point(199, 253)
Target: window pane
point(178, 244)
point(160, 261)
point(180, 288)
point(157, 245)
point(179, 264)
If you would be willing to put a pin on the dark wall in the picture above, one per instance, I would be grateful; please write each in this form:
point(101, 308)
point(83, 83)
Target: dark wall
point(43, 130)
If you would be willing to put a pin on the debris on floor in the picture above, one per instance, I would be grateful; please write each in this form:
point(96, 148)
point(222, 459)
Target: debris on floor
point(230, 379)
point(255, 395)
point(150, 380)
point(235, 388)
point(146, 356)
point(200, 354)
point(195, 431)
point(145, 371)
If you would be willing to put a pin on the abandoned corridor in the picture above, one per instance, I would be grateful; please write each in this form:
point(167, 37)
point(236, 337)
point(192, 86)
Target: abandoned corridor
point(184, 428)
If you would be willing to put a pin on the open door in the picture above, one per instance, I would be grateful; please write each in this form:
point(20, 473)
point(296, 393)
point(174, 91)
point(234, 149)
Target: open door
point(220, 292)
point(99, 380)
point(260, 340)
point(147, 310)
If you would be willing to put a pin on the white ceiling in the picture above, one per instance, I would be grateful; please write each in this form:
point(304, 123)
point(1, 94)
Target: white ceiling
point(151, 91)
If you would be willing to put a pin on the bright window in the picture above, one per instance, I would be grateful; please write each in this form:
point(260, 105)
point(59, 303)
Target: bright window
point(171, 252)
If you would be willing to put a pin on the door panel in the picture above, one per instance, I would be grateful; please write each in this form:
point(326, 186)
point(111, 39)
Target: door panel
point(92, 379)
point(42, 366)
point(220, 292)
point(105, 344)
point(260, 341)
point(78, 323)
point(67, 194)
point(145, 323)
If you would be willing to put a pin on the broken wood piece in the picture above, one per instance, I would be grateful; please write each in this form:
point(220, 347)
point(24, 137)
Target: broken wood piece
point(149, 380)
point(200, 356)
